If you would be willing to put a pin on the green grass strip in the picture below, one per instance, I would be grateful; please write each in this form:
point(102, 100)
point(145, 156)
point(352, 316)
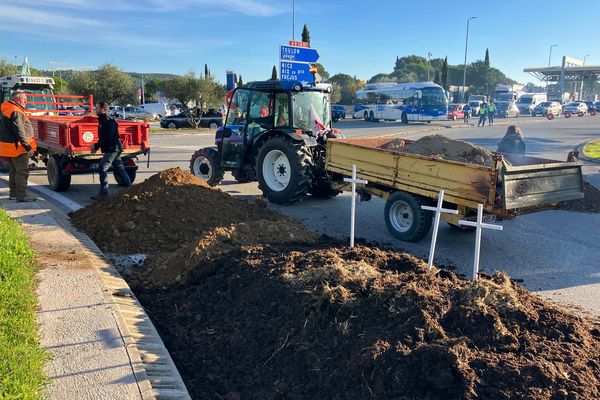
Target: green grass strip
point(21, 358)
point(592, 150)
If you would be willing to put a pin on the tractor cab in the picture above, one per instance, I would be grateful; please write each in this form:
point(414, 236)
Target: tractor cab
point(266, 107)
point(274, 132)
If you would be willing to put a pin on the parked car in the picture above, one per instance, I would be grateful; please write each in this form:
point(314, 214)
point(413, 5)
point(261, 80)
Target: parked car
point(475, 106)
point(597, 106)
point(133, 113)
point(338, 112)
point(591, 106)
point(455, 111)
point(209, 119)
point(552, 107)
point(159, 109)
point(507, 109)
point(575, 108)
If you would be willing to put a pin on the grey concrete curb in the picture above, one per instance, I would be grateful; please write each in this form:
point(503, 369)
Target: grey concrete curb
point(583, 156)
point(153, 366)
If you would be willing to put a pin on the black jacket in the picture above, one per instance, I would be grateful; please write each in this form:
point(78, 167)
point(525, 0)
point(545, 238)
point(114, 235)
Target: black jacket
point(108, 135)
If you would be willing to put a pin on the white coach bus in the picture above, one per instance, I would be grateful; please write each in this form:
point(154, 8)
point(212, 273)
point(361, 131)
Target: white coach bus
point(416, 101)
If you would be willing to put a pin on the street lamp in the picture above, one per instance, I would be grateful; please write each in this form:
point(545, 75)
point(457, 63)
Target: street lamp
point(550, 56)
point(465, 66)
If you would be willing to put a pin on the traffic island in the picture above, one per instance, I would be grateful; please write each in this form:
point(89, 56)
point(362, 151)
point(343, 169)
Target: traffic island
point(591, 150)
point(254, 305)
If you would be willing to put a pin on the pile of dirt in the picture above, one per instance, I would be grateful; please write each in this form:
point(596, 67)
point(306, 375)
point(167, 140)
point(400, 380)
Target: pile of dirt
point(589, 203)
point(163, 213)
point(164, 268)
point(322, 321)
point(444, 148)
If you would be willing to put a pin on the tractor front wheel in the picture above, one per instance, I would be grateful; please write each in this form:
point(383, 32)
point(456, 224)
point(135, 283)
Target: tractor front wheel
point(283, 169)
point(205, 165)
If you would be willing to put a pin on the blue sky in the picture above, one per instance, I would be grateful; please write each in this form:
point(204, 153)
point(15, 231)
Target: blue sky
point(357, 37)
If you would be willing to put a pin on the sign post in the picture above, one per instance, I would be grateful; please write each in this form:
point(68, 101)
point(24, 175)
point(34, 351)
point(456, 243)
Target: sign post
point(479, 224)
point(294, 62)
point(354, 181)
point(436, 224)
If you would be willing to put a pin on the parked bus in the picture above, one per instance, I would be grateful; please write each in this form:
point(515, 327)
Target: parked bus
point(416, 101)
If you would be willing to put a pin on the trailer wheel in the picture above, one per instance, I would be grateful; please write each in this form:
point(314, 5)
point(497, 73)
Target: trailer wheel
point(404, 217)
point(57, 181)
point(131, 173)
point(283, 169)
point(205, 165)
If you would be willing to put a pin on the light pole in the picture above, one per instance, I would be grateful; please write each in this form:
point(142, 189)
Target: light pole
point(428, 64)
point(582, 78)
point(465, 66)
point(550, 56)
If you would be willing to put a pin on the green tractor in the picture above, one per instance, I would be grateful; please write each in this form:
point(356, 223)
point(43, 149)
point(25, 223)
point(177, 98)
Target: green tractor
point(275, 133)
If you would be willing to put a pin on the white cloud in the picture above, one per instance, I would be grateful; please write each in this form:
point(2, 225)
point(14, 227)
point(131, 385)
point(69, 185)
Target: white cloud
point(32, 17)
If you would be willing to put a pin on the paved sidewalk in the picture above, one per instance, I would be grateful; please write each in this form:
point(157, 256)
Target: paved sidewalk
point(95, 352)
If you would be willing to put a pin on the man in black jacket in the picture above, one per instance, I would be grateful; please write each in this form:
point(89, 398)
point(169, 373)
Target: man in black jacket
point(109, 144)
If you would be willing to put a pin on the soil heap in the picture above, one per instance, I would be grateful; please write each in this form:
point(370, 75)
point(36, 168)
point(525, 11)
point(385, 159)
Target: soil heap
point(163, 213)
point(300, 321)
point(444, 148)
point(589, 203)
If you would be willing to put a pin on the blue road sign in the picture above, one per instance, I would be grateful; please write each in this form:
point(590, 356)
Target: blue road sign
point(298, 54)
point(295, 71)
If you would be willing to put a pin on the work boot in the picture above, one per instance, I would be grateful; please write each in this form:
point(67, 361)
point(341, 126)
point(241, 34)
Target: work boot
point(26, 199)
point(100, 196)
point(12, 196)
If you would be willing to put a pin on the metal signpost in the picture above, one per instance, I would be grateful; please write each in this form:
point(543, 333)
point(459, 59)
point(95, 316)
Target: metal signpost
point(294, 62)
point(354, 181)
point(436, 224)
point(479, 224)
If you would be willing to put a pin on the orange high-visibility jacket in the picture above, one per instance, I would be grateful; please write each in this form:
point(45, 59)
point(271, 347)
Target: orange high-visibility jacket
point(18, 138)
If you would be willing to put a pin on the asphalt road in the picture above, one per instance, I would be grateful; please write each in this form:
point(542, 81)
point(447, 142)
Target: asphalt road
point(554, 251)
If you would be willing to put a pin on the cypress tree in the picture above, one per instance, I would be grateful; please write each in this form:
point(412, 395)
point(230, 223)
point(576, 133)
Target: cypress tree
point(206, 71)
point(274, 73)
point(306, 34)
point(487, 58)
point(436, 78)
point(445, 74)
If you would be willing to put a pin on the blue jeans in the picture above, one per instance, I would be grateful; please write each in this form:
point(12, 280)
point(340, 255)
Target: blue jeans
point(114, 160)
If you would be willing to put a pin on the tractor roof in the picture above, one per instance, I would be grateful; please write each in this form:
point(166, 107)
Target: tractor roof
point(288, 86)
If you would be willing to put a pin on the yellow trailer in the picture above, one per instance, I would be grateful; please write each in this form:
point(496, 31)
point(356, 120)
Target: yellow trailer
point(513, 185)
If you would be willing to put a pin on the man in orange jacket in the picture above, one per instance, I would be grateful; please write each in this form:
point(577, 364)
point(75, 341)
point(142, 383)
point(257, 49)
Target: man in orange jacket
point(17, 144)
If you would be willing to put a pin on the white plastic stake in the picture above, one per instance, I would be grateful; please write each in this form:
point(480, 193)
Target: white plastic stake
point(354, 181)
point(436, 224)
point(478, 225)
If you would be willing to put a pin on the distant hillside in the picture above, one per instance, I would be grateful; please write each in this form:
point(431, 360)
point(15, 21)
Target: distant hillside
point(67, 74)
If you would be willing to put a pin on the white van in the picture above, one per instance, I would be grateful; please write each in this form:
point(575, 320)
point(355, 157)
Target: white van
point(527, 102)
point(158, 109)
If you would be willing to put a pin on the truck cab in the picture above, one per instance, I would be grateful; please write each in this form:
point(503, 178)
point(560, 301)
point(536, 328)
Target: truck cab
point(41, 86)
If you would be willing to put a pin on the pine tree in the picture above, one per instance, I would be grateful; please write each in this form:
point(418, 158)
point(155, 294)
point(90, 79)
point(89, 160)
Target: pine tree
point(306, 35)
point(487, 58)
point(240, 81)
point(444, 77)
point(206, 71)
point(274, 73)
point(436, 78)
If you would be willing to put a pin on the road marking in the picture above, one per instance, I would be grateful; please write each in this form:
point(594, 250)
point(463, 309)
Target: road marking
point(64, 200)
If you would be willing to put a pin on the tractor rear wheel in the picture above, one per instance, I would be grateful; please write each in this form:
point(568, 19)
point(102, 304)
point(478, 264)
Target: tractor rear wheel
point(283, 169)
point(54, 168)
point(205, 165)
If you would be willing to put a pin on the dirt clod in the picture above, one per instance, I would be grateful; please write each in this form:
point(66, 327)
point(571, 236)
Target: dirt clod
point(444, 148)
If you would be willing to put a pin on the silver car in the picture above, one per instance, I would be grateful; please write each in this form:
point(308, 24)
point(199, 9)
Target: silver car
point(547, 107)
point(575, 107)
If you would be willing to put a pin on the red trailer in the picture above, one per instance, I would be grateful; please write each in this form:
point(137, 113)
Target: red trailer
point(65, 128)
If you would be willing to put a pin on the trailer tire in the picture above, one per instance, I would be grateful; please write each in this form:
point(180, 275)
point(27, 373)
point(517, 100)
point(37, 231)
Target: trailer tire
point(205, 165)
point(56, 180)
point(131, 173)
point(404, 217)
point(283, 169)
